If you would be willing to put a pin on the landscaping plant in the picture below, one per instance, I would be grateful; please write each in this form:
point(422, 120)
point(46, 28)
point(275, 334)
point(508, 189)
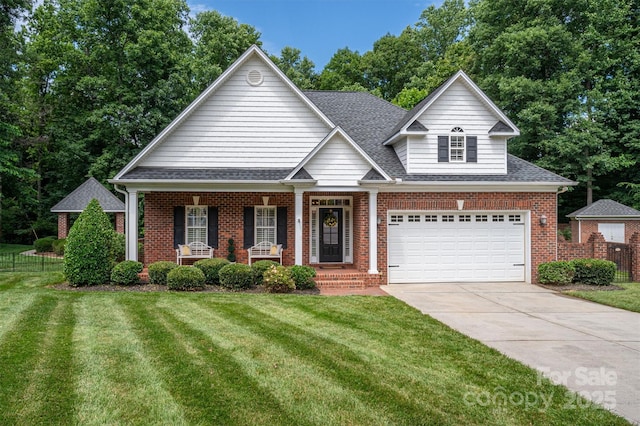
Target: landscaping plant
point(44, 245)
point(560, 272)
point(258, 268)
point(87, 259)
point(303, 276)
point(185, 278)
point(277, 279)
point(594, 271)
point(211, 269)
point(126, 273)
point(158, 271)
point(236, 276)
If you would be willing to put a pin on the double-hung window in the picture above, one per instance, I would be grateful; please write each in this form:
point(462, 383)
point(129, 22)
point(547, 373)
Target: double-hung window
point(456, 145)
point(266, 224)
point(196, 224)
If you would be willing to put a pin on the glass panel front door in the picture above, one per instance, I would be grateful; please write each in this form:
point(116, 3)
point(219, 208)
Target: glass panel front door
point(331, 235)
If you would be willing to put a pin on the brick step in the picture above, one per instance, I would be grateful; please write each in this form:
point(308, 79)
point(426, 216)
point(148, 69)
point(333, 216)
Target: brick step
point(352, 284)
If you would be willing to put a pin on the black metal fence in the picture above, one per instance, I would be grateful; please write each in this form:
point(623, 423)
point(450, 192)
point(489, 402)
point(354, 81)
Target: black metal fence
point(18, 262)
point(621, 255)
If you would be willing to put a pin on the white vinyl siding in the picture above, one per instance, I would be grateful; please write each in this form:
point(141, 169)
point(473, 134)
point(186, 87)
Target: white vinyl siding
point(457, 106)
point(241, 125)
point(196, 224)
point(337, 163)
point(402, 152)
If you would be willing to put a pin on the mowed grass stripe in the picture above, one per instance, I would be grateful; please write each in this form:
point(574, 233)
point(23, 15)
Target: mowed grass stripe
point(35, 370)
point(50, 393)
point(302, 389)
point(117, 382)
point(201, 375)
point(12, 306)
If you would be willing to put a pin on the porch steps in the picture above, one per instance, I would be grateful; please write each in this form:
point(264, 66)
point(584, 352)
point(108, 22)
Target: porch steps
point(340, 278)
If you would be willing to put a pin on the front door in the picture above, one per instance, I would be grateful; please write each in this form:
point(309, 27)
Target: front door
point(331, 235)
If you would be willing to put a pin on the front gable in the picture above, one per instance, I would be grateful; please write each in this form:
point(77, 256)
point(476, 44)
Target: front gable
point(457, 107)
point(338, 161)
point(252, 117)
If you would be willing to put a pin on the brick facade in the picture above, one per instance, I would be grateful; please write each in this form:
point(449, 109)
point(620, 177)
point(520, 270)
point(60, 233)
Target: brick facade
point(119, 219)
point(64, 224)
point(158, 233)
point(588, 227)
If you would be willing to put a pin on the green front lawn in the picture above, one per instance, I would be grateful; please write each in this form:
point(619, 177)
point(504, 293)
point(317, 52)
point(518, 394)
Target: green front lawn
point(70, 357)
point(628, 299)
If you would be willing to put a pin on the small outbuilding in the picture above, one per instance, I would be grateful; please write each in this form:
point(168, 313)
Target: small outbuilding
point(78, 200)
point(615, 221)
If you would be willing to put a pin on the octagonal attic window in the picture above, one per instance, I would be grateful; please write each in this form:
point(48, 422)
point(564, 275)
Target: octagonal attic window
point(254, 78)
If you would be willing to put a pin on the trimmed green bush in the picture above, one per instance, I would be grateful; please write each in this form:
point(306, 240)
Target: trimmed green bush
point(87, 259)
point(158, 271)
point(236, 276)
point(44, 245)
point(594, 271)
point(118, 247)
point(185, 278)
point(560, 272)
point(126, 273)
point(211, 269)
point(58, 246)
point(277, 279)
point(258, 268)
point(303, 276)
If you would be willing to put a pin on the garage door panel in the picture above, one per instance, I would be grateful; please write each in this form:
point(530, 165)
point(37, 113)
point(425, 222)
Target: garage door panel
point(466, 248)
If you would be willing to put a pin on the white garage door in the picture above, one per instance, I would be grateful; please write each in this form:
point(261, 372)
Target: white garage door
point(456, 247)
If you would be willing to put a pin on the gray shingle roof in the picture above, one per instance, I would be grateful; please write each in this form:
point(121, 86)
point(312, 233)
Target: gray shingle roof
point(162, 173)
point(369, 121)
point(606, 208)
point(78, 200)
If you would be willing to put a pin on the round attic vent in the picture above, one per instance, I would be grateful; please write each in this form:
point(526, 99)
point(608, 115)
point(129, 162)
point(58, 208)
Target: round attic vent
point(254, 78)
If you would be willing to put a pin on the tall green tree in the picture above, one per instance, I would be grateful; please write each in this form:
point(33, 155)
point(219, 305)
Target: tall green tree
point(219, 41)
point(299, 69)
point(560, 70)
point(344, 71)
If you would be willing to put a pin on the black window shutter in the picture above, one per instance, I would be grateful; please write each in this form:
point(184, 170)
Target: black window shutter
point(472, 149)
point(178, 226)
point(281, 234)
point(212, 226)
point(443, 149)
point(249, 239)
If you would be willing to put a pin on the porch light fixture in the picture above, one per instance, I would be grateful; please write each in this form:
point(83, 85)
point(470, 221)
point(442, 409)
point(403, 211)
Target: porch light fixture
point(379, 220)
point(543, 220)
point(196, 200)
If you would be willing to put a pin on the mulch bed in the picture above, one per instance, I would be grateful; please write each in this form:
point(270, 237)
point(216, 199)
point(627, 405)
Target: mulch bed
point(581, 287)
point(157, 287)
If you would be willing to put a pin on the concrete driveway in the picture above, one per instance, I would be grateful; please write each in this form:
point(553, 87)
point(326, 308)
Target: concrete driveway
point(590, 348)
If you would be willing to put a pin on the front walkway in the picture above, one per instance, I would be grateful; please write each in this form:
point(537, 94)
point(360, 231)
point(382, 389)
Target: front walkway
point(591, 348)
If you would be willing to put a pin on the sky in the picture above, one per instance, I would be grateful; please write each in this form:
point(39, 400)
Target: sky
point(320, 27)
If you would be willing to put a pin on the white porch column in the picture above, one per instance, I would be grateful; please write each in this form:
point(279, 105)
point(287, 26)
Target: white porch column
point(298, 218)
point(373, 231)
point(132, 225)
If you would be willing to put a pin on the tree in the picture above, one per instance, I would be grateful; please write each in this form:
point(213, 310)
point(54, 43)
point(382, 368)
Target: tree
point(560, 70)
point(344, 70)
point(300, 70)
point(87, 255)
point(219, 41)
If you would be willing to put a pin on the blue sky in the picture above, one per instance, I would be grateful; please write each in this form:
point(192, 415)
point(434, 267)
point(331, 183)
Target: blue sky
point(320, 27)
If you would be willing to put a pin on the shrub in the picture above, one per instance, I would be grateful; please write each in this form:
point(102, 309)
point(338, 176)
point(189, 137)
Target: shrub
point(118, 247)
point(258, 268)
point(594, 271)
point(126, 273)
point(236, 276)
point(58, 246)
point(303, 276)
point(185, 278)
point(211, 269)
point(43, 245)
point(158, 271)
point(87, 259)
point(560, 272)
point(277, 279)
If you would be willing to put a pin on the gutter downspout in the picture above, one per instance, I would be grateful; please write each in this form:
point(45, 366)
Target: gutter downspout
point(561, 191)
